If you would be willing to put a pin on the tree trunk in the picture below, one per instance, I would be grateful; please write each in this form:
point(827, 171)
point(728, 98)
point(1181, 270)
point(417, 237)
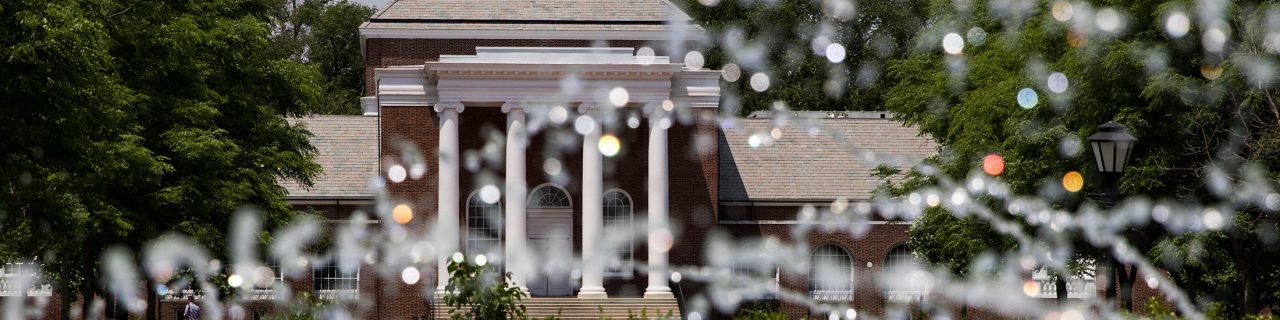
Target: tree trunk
point(1126, 287)
point(86, 297)
point(153, 300)
point(66, 293)
point(1249, 294)
point(1061, 283)
point(1112, 279)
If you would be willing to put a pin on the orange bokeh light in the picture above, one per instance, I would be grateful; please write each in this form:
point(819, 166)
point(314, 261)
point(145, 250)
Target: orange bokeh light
point(993, 164)
point(402, 214)
point(1072, 181)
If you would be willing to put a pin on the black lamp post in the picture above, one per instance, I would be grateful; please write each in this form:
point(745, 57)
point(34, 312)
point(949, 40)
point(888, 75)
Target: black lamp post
point(1112, 148)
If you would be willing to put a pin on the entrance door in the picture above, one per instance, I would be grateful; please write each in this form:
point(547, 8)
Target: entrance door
point(550, 231)
point(551, 245)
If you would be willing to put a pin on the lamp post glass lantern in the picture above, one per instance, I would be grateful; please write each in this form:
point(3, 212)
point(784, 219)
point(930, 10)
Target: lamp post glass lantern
point(1112, 147)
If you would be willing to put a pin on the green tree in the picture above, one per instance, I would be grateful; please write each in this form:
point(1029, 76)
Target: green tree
point(1201, 116)
point(477, 291)
point(335, 50)
point(778, 39)
point(128, 119)
point(324, 35)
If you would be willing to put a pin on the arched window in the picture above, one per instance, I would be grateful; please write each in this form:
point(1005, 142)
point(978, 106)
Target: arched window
point(484, 227)
point(549, 196)
point(755, 272)
point(900, 260)
point(831, 274)
point(618, 220)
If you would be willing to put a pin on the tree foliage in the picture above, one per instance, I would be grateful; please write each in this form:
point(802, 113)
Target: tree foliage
point(324, 35)
point(780, 40)
point(128, 119)
point(1204, 119)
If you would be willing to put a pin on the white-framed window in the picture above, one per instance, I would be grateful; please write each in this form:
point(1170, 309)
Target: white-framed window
point(328, 281)
point(16, 277)
point(831, 274)
point(484, 227)
point(897, 263)
point(549, 196)
point(755, 274)
point(619, 216)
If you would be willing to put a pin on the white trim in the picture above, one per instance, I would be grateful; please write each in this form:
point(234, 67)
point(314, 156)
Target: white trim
point(399, 33)
point(321, 202)
point(907, 223)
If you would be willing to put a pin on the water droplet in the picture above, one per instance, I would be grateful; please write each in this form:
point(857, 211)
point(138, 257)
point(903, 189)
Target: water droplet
point(1027, 98)
point(458, 257)
point(410, 275)
point(775, 133)
point(661, 238)
point(1216, 37)
point(402, 214)
point(850, 314)
point(1062, 10)
point(959, 197)
point(609, 145)
point(932, 200)
point(731, 72)
point(396, 174)
point(1212, 219)
point(1177, 24)
point(759, 82)
point(676, 277)
point(1058, 82)
point(481, 260)
point(619, 96)
point(1031, 288)
point(952, 43)
point(235, 281)
point(417, 170)
point(490, 194)
point(1072, 181)
point(584, 124)
point(558, 114)
point(693, 60)
point(551, 166)
point(1108, 20)
point(835, 53)
point(645, 55)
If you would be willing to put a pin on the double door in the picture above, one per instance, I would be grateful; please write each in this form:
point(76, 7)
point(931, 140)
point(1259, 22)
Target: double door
point(551, 247)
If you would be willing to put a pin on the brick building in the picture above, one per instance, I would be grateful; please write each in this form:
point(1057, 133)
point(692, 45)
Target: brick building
point(581, 146)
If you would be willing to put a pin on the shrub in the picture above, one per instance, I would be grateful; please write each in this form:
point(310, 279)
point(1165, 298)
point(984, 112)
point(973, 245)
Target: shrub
point(476, 291)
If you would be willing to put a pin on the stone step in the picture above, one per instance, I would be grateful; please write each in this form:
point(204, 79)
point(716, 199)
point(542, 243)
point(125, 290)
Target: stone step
point(568, 308)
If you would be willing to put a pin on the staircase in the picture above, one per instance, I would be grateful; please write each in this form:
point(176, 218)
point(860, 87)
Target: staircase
point(577, 309)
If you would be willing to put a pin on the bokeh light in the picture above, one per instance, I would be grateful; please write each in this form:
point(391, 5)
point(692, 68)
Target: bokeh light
point(1027, 98)
point(410, 275)
point(1072, 181)
point(402, 214)
point(953, 43)
point(993, 164)
point(609, 145)
point(396, 173)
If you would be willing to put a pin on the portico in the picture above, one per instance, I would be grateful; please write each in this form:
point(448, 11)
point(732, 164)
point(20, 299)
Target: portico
point(526, 84)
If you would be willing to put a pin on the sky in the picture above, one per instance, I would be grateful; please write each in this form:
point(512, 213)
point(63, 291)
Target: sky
point(373, 3)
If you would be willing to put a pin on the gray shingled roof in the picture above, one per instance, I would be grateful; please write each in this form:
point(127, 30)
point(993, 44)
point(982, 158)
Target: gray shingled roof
point(347, 150)
point(605, 15)
point(829, 164)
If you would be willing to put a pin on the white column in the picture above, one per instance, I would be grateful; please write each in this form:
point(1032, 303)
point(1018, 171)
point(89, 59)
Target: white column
point(592, 208)
point(660, 238)
point(447, 215)
point(515, 254)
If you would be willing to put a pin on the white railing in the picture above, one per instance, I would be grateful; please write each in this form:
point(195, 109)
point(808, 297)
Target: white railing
point(1076, 288)
point(831, 295)
point(904, 295)
point(339, 294)
point(256, 294)
point(15, 277)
